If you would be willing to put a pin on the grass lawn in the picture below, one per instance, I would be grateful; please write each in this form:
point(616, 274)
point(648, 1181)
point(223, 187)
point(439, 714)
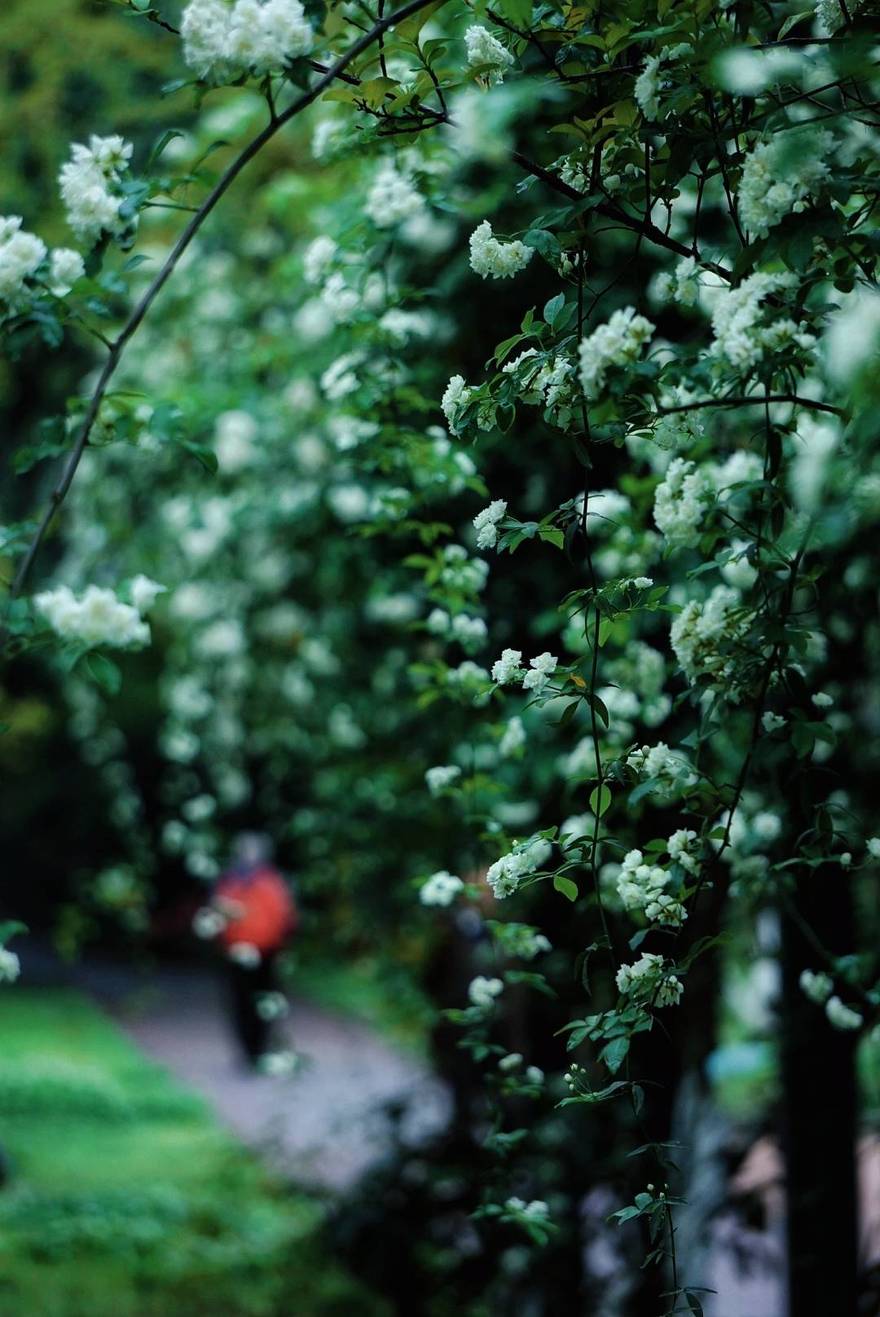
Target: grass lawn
point(124, 1198)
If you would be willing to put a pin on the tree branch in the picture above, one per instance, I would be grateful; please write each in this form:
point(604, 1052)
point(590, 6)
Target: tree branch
point(134, 321)
point(644, 227)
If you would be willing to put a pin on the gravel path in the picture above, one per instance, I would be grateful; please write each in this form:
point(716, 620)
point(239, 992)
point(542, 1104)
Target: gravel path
point(327, 1123)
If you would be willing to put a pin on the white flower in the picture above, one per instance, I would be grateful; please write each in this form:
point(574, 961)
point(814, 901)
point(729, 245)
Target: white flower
point(454, 398)
point(440, 889)
point(842, 1017)
point(772, 722)
point(244, 954)
point(647, 88)
point(780, 177)
point(542, 669)
point(853, 336)
point(221, 42)
point(818, 987)
point(612, 344)
point(97, 618)
point(649, 980)
point(740, 338)
point(507, 874)
point(537, 1209)
point(392, 198)
point(680, 503)
point(484, 51)
point(514, 738)
point(208, 923)
point(441, 777)
point(278, 1064)
point(145, 592)
point(508, 668)
point(89, 183)
point(822, 700)
point(683, 284)
point(700, 629)
point(684, 847)
point(318, 258)
point(65, 267)
point(873, 847)
point(235, 433)
point(482, 991)
point(492, 259)
point(643, 582)
point(486, 523)
point(642, 886)
point(470, 632)
point(738, 571)
point(535, 1075)
point(20, 255)
point(512, 1061)
point(10, 965)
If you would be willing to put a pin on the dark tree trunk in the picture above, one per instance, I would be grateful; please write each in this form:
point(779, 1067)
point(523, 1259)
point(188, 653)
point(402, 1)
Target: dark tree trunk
point(818, 1112)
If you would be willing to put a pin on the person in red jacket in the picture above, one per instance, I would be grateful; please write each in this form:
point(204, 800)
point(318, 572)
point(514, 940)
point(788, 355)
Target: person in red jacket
point(255, 915)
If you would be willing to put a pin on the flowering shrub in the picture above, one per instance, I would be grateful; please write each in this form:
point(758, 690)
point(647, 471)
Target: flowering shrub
point(671, 381)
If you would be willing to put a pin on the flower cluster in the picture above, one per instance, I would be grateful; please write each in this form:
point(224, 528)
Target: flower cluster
point(21, 255)
point(509, 668)
point(221, 42)
point(486, 53)
point(682, 285)
point(99, 617)
point(649, 981)
point(441, 777)
point(615, 343)
point(702, 630)
point(486, 523)
point(92, 190)
point(780, 177)
point(644, 887)
point(546, 381)
point(680, 503)
point(492, 259)
point(483, 992)
point(741, 335)
point(392, 198)
point(440, 889)
point(508, 873)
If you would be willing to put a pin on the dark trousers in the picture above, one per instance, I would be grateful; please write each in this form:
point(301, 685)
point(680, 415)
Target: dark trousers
point(246, 988)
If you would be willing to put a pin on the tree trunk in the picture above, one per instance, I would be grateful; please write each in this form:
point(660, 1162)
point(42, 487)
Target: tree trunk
point(818, 1112)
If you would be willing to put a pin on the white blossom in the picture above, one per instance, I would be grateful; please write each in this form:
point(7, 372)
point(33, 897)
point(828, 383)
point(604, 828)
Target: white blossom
point(244, 954)
point(542, 669)
point(492, 259)
point(440, 889)
point(208, 923)
point(680, 503)
point(780, 177)
point(514, 738)
point(772, 722)
point(700, 630)
point(482, 991)
point(221, 41)
point(818, 987)
point(508, 668)
point(90, 190)
point(10, 965)
point(66, 266)
point(145, 592)
point(392, 198)
point(441, 777)
point(615, 343)
point(98, 617)
point(649, 980)
point(508, 873)
point(841, 1016)
point(21, 254)
point(455, 397)
point(486, 523)
point(485, 52)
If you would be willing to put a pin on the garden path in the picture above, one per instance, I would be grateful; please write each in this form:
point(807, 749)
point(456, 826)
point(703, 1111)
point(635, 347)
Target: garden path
point(352, 1095)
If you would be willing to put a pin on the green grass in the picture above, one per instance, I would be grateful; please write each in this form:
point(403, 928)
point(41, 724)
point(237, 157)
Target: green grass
point(125, 1199)
point(371, 989)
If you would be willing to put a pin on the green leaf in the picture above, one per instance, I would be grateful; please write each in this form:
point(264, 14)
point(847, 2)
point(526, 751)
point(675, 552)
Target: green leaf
point(566, 887)
point(614, 1053)
point(553, 307)
point(600, 799)
point(104, 672)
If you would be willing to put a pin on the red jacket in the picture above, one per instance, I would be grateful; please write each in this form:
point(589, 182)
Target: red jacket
point(269, 914)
